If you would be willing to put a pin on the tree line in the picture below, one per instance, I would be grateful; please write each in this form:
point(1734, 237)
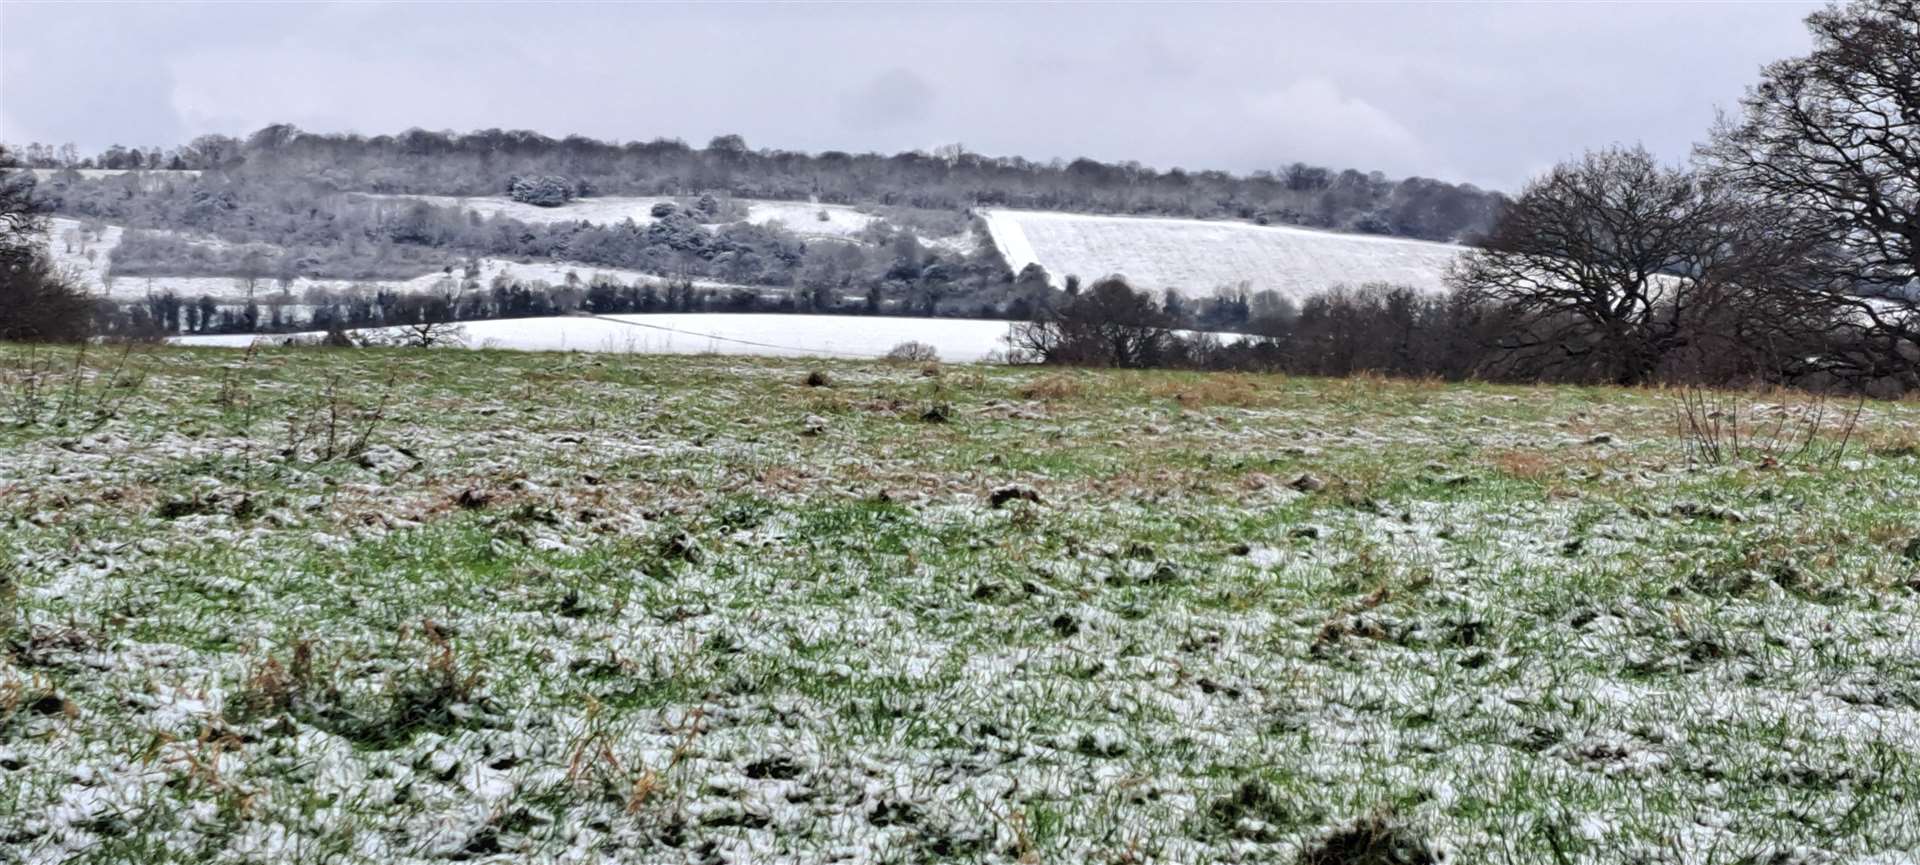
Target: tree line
point(1786, 252)
point(953, 179)
point(286, 227)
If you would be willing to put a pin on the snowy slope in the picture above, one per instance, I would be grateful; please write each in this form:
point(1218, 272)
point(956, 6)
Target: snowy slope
point(80, 253)
point(87, 257)
point(803, 218)
point(842, 222)
point(599, 211)
point(1195, 256)
point(959, 340)
point(800, 217)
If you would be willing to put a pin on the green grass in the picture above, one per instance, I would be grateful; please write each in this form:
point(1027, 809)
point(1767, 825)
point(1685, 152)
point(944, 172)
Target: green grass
point(628, 609)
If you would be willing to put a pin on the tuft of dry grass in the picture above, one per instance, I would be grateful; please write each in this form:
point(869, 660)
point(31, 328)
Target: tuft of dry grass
point(1053, 387)
point(1225, 389)
point(1526, 465)
point(1899, 441)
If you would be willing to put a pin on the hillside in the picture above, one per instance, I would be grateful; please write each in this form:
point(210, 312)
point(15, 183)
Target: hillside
point(480, 163)
point(800, 217)
point(399, 607)
point(89, 258)
point(1195, 257)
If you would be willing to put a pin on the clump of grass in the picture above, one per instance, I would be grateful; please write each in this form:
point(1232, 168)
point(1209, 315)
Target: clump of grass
point(439, 693)
point(334, 425)
point(1257, 811)
point(273, 688)
point(40, 389)
point(1721, 428)
point(1380, 838)
point(594, 765)
point(1052, 387)
point(1209, 390)
point(9, 600)
point(1523, 464)
point(1902, 441)
point(21, 699)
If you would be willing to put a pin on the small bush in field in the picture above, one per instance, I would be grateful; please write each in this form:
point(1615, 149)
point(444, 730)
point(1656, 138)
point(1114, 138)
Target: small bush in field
point(913, 351)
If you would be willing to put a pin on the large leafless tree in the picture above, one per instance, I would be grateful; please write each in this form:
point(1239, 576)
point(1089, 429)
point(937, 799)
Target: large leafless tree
point(1835, 138)
point(1616, 269)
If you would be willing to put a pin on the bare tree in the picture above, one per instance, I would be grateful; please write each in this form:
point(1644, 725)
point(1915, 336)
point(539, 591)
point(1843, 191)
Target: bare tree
point(36, 303)
point(1109, 325)
point(1614, 266)
point(1835, 137)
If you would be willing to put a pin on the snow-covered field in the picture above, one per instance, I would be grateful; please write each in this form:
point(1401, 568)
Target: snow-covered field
point(596, 210)
point(765, 334)
point(82, 253)
point(403, 608)
point(803, 218)
point(1195, 257)
point(800, 217)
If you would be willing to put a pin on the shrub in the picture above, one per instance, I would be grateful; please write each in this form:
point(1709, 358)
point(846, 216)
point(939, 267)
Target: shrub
point(913, 351)
point(37, 305)
point(549, 191)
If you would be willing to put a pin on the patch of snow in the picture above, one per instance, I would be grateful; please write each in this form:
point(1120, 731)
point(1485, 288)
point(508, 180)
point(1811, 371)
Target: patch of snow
point(768, 334)
point(1195, 257)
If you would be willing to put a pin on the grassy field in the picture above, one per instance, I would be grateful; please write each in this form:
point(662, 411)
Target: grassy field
point(394, 606)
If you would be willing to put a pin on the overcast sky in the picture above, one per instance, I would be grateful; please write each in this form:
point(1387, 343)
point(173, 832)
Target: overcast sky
point(1483, 92)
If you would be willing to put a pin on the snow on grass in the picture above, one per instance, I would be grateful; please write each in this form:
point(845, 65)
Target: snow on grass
point(1196, 257)
point(691, 609)
point(598, 210)
point(762, 334)
point(803, 218)
point(82, 253)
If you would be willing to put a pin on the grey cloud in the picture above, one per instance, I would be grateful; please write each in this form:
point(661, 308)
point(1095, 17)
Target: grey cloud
point(895, 97)
point(1486, 93)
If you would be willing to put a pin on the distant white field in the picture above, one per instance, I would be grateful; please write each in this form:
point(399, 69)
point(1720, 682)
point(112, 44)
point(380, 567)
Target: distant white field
point(800, 217)
point(770, 334)
point(841, 222)
point(80, 253)
point(1195, 257)
point(599, 211)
